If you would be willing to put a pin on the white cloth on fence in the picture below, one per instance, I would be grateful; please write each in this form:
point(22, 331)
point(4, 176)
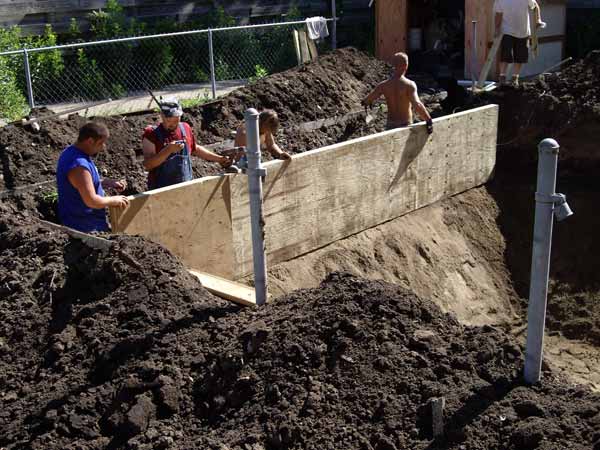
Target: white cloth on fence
point(317, 28)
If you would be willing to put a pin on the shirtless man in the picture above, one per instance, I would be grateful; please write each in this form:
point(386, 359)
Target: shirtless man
point(400, 93)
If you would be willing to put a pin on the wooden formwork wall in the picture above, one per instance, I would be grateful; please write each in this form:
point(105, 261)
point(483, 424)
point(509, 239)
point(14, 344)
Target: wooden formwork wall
point(319, 197)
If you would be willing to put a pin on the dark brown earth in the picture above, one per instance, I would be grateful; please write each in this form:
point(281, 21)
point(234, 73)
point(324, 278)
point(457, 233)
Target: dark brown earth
point(564, 106)
point(124, 349)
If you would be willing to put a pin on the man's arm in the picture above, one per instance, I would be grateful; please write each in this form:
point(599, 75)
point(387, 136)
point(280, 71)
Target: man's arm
point(152, 159)
point(498, 23)
point(538, 11)
point(369, 99)
point(416, 102)
point(274, 149)
point(210, 156)
point(498, 17)
point(110, 183)
point(81, 180)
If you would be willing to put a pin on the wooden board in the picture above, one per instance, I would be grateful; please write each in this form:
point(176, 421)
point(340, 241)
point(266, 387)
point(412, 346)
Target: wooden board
point(331, 193)
point(297, 47)
point(319, 196)
point(491, 58)
point(227, 289)
point(312, 49)
point(481, 11)
point(303, 41)
point(91, 241)
point(391, 28)
point(191, 219)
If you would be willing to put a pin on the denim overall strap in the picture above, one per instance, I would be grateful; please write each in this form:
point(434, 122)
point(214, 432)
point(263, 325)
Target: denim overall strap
point(177, 168)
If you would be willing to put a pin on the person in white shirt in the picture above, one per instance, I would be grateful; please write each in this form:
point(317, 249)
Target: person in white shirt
point(512, 22)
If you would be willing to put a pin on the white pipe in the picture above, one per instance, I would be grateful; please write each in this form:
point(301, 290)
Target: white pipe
point(255, 173)
point(548, 203)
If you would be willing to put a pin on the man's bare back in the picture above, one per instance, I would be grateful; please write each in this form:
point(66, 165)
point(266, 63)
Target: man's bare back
point(400, 94)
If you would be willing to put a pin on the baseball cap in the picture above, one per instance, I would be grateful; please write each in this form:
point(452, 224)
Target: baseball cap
point(170, 107)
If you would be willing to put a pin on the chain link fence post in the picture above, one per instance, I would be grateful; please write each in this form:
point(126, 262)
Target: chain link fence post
point(28, 79)
point(333, 26)
point(211, 58)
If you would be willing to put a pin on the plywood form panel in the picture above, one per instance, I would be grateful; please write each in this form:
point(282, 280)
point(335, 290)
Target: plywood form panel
point(319, 197)
point(192, 220)
point(331, 193)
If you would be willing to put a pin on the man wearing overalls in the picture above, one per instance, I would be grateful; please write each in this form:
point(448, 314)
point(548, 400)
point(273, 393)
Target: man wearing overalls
point(168, 148)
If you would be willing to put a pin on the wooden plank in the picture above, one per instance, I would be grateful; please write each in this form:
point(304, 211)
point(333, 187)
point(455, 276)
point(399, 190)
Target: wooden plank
point(297, 47)
point(391, 28)
point(312, 49)
point(491, 58)
point(192, 220)
point(328, 194)
point(91, 241)
point(227, 289)
point(481, 11)
point(303, 41)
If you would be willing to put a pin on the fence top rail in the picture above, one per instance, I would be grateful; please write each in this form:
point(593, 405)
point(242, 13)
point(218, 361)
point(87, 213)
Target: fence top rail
point(151, 36)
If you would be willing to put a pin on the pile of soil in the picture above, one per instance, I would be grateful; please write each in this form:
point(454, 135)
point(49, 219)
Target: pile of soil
point(331, 86)
point(123, 349)
point(564, 105)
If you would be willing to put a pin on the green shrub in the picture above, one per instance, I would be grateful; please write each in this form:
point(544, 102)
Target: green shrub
point(13, 104)
point(259, 72)
point(91, 80)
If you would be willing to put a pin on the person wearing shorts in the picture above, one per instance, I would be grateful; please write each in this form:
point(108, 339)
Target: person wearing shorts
point(512, 23)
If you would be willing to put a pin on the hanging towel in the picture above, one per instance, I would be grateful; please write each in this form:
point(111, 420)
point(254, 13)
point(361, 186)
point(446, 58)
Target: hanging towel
point(317, 28)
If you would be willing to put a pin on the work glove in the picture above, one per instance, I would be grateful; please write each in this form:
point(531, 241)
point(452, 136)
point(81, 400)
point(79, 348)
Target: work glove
point(429, 125)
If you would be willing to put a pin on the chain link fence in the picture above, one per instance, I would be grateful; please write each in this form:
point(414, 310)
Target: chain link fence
point(119, 68)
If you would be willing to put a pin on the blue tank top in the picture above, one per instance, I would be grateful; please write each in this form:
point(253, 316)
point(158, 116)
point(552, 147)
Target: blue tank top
point(72, 211)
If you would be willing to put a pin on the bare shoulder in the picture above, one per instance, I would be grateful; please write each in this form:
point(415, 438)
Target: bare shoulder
point(386, 86)
point(410, 84)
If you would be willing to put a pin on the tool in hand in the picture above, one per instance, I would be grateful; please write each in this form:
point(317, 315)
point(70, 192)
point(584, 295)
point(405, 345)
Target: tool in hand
point(368, 116)
point(154, 98)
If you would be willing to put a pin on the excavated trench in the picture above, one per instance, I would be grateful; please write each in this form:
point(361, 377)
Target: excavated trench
point(125, 350)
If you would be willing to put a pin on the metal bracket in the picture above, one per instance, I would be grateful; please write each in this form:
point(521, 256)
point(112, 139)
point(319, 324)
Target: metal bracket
point(262, 172)
point(555, 199)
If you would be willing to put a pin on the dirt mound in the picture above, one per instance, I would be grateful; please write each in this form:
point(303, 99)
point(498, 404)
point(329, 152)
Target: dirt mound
point(564, 105)
point(332, 86)
point(125, 350)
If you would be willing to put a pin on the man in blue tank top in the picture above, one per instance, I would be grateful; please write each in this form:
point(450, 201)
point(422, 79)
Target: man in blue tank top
point(81, 200)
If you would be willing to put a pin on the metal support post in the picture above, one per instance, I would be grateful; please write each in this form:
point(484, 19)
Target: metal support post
point(28, 79)
point(333, 26)
point(211, 58)
point(474, 57)
point(548, 203)
point(255, 173)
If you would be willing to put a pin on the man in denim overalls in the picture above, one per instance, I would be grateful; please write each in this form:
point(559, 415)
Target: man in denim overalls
point(168, 148)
